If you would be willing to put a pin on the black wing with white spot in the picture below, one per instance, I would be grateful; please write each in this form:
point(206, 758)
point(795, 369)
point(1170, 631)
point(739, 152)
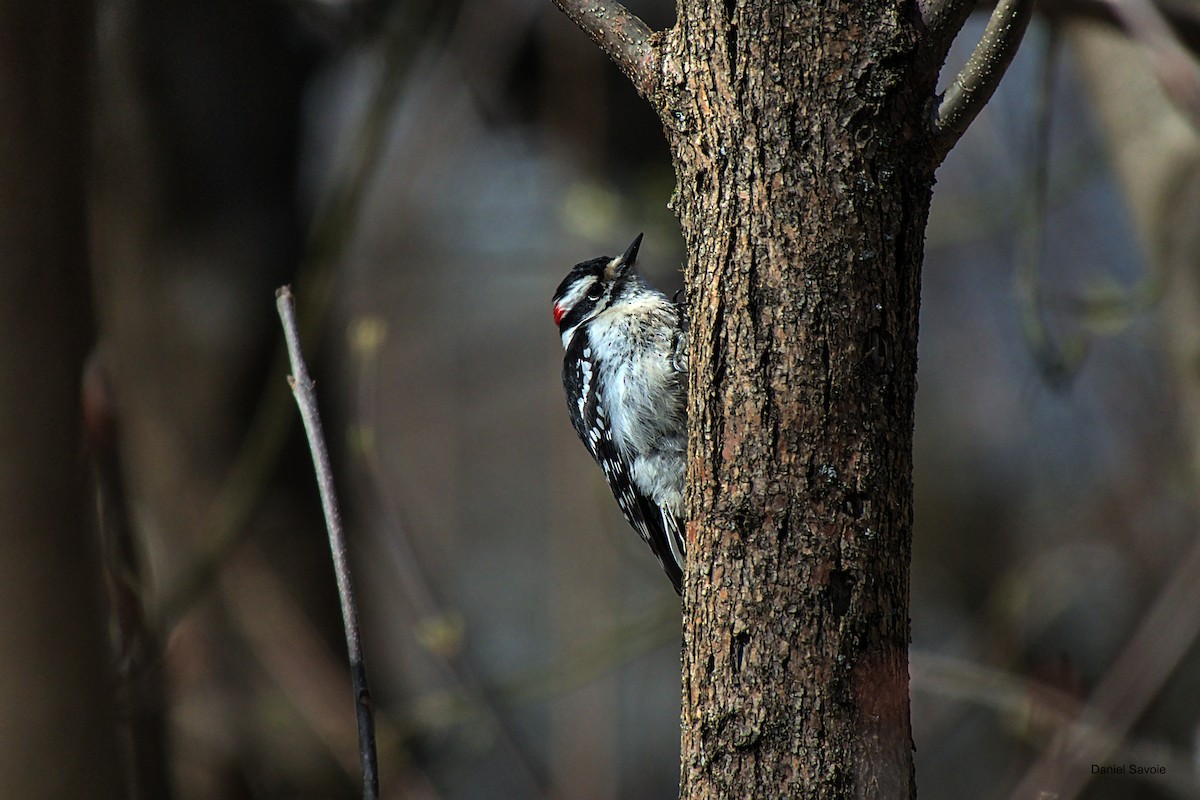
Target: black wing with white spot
point(658, 527)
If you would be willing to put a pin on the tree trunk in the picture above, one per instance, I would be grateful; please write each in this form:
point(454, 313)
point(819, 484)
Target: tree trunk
point(58, 729)
point(803, 204)
point(805, 137)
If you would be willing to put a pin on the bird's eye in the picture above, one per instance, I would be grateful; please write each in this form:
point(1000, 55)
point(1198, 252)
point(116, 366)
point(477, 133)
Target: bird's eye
point(595, 292)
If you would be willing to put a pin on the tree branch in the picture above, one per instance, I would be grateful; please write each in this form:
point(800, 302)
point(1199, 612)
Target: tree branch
point(943, 20)
point(622, 36)
point(306, 399)
point(973, 86)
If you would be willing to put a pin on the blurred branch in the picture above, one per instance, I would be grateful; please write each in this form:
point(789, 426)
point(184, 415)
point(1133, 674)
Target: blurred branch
point(1162, 639)
point(430, 614)
point(139, 654)
point(1177, 70)
point(1036, 708)
point(60, 734)
point(1156, 157)
point(304, 668)
point(570, 670)
point(580, 666)
point(338, 21)
point(303, 389)
point(622, 36)
point(970, 90)
point(1183, 16)
point(292, 653)
point(228, 520)
point(437, 629)
point(1057, 362)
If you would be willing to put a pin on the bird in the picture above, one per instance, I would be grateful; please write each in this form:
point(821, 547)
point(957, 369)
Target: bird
point(625, 374)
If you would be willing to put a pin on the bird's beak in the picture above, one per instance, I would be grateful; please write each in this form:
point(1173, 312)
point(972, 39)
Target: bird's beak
point(622, 263)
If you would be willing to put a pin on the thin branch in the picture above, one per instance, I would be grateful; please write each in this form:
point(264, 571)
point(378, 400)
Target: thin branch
point(306, 399)
point(622, 36)
point(973, 86)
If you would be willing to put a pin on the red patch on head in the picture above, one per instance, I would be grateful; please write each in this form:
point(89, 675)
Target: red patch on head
point(558, 313)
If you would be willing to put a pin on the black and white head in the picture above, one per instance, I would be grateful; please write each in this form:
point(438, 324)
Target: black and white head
point(592, 286)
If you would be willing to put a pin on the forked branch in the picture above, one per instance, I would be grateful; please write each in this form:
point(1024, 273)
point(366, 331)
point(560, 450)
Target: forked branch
point(622, 36)
point(973, 86)
point(943, 20)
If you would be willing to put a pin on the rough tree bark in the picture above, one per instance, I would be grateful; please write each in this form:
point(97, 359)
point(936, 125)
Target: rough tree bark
point(805, 137)
point(58, 731)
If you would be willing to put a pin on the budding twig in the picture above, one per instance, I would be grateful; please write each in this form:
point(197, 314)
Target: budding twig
point(306, 399)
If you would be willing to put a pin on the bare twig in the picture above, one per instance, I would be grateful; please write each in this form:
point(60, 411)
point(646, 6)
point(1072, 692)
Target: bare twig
point(622, 36)
point(302, 388)
point(973, 86)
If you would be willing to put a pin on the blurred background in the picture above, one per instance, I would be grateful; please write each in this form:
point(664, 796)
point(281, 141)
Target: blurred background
point(424, 173)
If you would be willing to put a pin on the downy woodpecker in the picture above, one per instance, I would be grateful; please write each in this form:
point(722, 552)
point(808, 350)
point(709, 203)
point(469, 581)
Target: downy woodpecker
point(626, 378)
